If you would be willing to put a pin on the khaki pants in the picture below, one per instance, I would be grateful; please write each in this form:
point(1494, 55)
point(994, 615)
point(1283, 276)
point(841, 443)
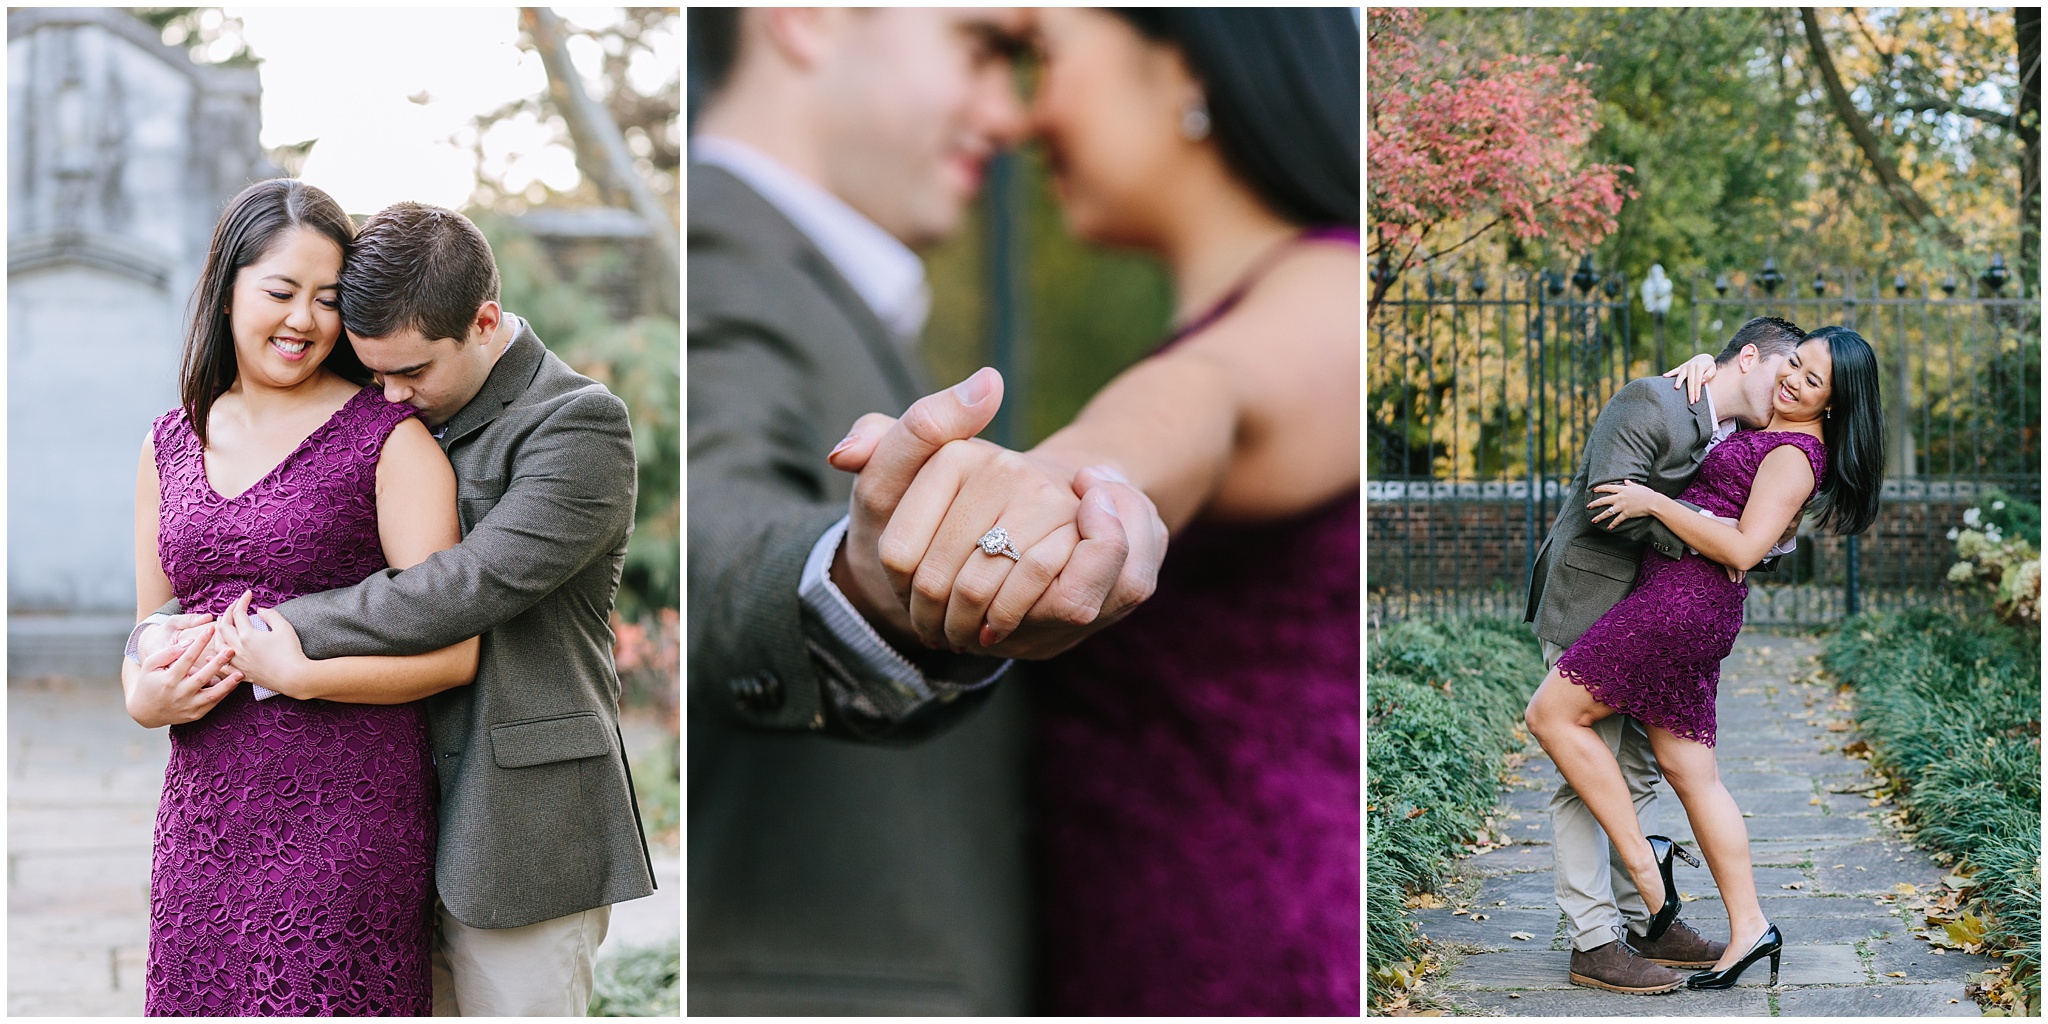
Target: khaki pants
point(540, 970)
point(1593, 887)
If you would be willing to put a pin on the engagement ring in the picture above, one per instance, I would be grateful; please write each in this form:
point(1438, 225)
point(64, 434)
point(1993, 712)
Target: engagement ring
point(997, 542)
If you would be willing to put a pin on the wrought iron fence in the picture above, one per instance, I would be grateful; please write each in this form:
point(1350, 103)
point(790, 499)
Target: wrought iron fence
point(1482, 387)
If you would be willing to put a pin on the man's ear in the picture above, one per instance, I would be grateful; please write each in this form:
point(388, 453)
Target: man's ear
point(1747, 359)
point(485, 324)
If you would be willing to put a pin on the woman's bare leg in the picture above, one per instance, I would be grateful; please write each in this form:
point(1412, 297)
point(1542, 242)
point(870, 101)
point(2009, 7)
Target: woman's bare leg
point(1718, 828)
point(1561, 717)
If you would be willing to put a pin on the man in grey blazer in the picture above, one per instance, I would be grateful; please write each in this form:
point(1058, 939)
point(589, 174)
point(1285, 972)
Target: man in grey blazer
point(539, 832)
point(857, 803)
point(1649, 433)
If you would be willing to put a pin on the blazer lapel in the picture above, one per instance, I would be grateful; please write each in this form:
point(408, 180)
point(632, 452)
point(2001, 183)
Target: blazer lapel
point(735, 210)
point(508, 380)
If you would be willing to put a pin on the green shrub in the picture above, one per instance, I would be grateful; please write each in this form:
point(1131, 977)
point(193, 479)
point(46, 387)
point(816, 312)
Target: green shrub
point(1951, 708)
point(1443, 699)
point(644, 981)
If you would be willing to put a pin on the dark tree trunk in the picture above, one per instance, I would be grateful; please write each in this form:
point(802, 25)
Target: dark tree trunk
point(2027, 26)
point(1881, 163)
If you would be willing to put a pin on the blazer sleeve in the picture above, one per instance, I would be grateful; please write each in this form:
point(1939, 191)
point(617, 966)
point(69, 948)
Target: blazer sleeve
point(568, 502)
point(757, 509)
point(1628, 439)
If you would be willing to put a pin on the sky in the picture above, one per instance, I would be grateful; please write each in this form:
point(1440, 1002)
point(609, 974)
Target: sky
point(390, 93)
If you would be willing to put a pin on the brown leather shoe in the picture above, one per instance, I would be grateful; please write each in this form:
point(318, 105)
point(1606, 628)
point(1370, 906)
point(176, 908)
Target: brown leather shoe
point(1679, 946)
point(1617, 968)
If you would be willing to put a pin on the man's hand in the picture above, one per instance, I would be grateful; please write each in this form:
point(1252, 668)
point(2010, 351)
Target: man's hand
point(269, 658)
point(1091, 546)
point(176, 686)
point(891, 452)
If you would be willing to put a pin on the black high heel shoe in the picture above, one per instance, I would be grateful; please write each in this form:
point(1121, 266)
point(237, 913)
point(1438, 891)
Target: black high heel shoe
point(1664, 849)
point(1770, 944)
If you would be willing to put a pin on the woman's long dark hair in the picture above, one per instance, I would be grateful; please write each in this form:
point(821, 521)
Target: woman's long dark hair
point(1854, 433)
point(1282, 88)
point(253, 223)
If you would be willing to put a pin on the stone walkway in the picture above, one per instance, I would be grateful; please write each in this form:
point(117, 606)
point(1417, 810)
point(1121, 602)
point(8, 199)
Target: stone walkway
point(1826, 869)
point(81, 804)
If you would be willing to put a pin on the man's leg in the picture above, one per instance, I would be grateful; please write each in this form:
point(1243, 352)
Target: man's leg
point(1590, 877)
point(540, 970)
point(1631, 746)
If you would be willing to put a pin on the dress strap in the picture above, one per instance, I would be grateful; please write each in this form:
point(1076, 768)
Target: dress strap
point(1267, 260)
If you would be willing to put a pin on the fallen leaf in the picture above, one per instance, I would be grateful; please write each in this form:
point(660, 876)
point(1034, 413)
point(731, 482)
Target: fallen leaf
point(1424, 901)
point(1479, 917)
point(1813, 800)
point(1521, 936)
point(1906, 889)
point(1686, 897)
point(1518, 995)
point(1500, 903)
point(1860, 867)
point(1417, 813)
point(1841, 865)
point(1793, 885)
point(1894, 974)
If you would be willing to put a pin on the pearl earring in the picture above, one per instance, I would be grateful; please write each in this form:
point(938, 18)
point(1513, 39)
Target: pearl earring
point(1194, 119)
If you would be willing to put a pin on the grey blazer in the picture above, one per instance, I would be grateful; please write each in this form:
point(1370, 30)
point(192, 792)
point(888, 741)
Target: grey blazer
point(537, 811)
point(1647, 433)
point(825, 876)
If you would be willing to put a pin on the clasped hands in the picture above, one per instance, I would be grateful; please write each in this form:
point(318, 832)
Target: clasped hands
point(1089, 543)
point(191, 662)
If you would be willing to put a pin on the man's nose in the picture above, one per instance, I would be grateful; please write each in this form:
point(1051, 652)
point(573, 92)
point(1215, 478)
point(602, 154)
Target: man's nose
point(395, 392)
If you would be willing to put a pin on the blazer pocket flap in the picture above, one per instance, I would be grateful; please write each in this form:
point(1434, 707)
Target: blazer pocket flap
point(1606, 563)
point(547, 740)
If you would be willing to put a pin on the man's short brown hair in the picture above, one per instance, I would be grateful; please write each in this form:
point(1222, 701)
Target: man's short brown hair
point(417, 267)
point(1771, 336)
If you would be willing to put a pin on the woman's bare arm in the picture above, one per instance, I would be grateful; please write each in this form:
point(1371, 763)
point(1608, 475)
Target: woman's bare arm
point(1255, 417)
point(1783, 483)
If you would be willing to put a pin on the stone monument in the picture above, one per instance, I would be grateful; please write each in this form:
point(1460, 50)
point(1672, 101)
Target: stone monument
point(121, 154)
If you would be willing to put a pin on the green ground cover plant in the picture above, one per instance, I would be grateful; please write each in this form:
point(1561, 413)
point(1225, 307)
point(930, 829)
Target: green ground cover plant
point(1444, 703)
point(1950, 707)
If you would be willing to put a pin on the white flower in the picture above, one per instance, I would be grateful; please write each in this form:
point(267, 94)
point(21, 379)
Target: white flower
point(1997, 505)
point(1960, 571)
point(1952, 531)
point(1973, 518)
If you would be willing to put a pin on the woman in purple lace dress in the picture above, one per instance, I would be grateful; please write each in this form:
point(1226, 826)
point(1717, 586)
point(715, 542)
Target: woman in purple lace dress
point(1199, 776)
point(293, 867)
point(1656, 655)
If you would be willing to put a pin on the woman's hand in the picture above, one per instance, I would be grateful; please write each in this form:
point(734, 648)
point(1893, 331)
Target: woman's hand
point(269, 658)
point(176, 685)
point(1693, 375)
point(1624, 501)
point(931, 547)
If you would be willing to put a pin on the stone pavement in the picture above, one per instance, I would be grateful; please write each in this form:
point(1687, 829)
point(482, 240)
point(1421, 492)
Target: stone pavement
point(83, 782)
point(1825, 870)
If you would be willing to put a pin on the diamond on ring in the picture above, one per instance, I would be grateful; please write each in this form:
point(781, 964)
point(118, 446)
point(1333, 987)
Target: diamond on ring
point(997, 542)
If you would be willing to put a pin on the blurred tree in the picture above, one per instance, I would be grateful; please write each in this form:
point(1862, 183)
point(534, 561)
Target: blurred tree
point(1740, 154)
point(205, 33)
point(639, 361)
point(639, 85)
point(1464, 146)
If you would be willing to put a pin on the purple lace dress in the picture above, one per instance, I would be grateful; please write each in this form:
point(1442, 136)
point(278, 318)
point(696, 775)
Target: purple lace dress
point(1656, 655)
point(293, 873)
point(1200, 782)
